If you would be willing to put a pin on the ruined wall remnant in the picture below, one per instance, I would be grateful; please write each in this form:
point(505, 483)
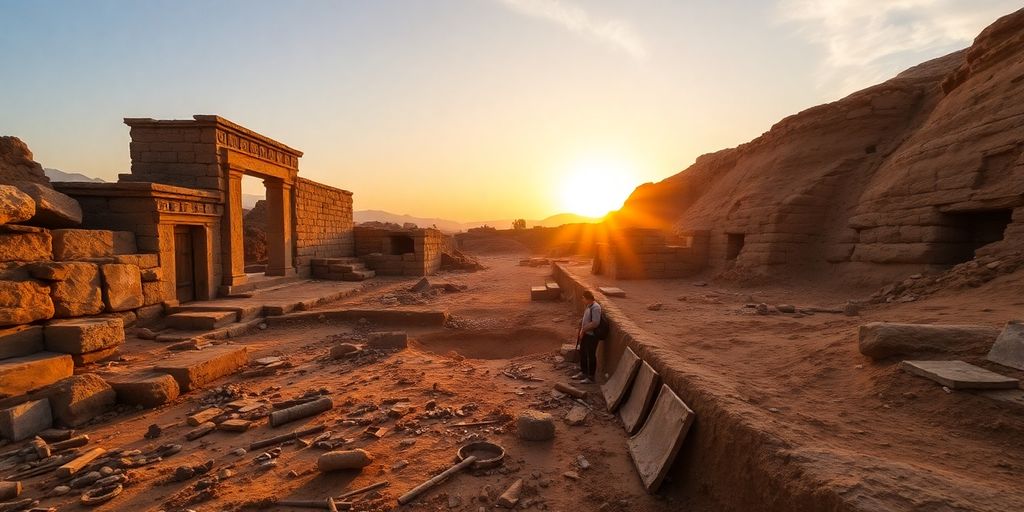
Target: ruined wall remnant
point(400, 252)
point(323, 223)
point(636, 253)
point(923, 170)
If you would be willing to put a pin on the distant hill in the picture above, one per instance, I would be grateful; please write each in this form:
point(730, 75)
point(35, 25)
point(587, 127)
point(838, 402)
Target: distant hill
point(59, 175)
point(452, 226)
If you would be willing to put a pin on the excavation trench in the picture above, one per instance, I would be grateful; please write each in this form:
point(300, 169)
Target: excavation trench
point(491, 343)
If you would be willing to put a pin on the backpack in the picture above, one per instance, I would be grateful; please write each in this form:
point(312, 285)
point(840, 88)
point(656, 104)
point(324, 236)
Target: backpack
point(603, 328)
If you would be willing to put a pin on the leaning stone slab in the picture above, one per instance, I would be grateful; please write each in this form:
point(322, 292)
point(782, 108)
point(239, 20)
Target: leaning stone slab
point(192, 370)
point(1008, 349)
point(201, 320)
point(148, 389)
point(20, 375)
point(78, 399)
point(880, 340)
point(656, 445)
point(122, 286)
point(83, 335)
point(618, 385)
point(959, 375)
point(21, 341)
point(25, 420)
point(641, 397)
point(53, 209)
point(611, 291)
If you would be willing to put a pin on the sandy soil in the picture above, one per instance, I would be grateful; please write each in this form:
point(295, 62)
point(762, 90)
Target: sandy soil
point(459, 369)
point(866, 427)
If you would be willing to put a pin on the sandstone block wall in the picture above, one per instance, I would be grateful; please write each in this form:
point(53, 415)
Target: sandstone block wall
point(407, 252)
point(647, 254)
point(323, 223)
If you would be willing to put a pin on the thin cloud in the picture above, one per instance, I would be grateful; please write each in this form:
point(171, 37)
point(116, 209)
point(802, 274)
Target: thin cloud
point(866, 41)
point(574, 18)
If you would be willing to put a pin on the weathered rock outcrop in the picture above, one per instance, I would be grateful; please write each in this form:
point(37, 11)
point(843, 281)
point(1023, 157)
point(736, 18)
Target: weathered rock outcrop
point(18, 169)
point(923, 169)
point(17, 164)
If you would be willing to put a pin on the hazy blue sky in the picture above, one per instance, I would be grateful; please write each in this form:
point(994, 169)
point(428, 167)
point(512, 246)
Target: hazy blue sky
point(467, 109)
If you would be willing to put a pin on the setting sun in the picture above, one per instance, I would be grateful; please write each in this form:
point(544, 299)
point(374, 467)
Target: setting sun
point(595, 187)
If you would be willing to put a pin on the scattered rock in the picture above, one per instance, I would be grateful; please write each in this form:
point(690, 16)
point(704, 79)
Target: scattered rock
point(880, 340)
point(343, 459)
point(343, 350)
point(534, 425)
point(655, 307)
point(786, 308)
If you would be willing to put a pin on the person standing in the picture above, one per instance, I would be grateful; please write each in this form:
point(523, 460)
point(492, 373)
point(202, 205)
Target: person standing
point(587, 338)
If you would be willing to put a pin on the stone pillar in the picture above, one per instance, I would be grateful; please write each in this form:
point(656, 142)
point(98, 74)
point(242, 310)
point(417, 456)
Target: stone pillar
point(279, 228)
point(231, 233)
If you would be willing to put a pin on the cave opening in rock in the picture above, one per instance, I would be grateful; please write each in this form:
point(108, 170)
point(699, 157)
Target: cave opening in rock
point(734, 244)
point(976, 229)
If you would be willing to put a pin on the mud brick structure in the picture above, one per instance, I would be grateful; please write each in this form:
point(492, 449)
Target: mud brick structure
point(324, 227)
point(637, 253)
point(400, 252)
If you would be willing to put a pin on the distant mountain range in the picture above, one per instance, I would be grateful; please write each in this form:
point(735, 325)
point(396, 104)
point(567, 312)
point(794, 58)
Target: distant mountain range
point(452, 226)
point(59, 175)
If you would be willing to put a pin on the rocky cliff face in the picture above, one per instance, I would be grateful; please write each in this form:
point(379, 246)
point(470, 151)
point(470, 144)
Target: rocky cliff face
point(921, 170)
point(17, 164)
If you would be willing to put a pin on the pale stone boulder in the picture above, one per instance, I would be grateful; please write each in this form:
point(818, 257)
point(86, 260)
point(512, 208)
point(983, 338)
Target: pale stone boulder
point(75, 287)
point(23, 243)
point(53, 209)
point(122, 286)
point(83, 335)
point(880, 340)
point(23, 302)
point(25, 420)
point(15, 205)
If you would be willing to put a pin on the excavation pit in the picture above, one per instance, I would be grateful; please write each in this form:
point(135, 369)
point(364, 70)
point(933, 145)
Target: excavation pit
point(492, 343)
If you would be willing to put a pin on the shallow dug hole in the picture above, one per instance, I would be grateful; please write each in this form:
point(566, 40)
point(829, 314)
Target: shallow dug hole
point(493, 343)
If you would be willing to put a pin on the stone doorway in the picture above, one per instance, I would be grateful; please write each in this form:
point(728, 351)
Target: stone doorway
point(191, 264)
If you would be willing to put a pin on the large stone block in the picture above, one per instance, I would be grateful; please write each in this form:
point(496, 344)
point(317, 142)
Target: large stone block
point(201, 320)
point(75, 290)
point(23, 302)
point(24, 244)
point(879, 340)
point(81, 244)
point(143, 261)
point(83, 335)
point(148, 389)
point(78, 399)
point(152, 292)
point(25, 420)
point(15, 205)
point(192, 370)
point(53, 209)
point(122, 286)
point(387, 340)
point(20, 375)
point(19, 341)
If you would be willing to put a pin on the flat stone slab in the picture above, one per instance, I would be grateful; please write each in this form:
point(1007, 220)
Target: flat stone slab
point(192, 370)
point(641, 397)
point(618, 385)
point(1008, 350)
point(20, 341)
point(655, 446)
point(611, 291)
point(201, 320)
point(20, 375)
point(959, 375)
point(83, 335)
point(146, 388)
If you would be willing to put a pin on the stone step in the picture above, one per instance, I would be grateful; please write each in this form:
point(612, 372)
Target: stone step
point(323, 262)
point(346, 268)
point(19, 375)
point(358, 275)
point(244, 312)
point(21, 341)
point(201, 320)
point(193, 370)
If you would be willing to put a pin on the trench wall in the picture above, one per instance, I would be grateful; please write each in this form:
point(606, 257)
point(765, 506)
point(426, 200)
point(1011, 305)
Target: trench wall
point(323, 223)
point(726, 464)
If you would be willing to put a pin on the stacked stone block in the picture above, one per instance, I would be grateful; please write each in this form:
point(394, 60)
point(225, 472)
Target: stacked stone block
point(646, 254)
point(323, 223)
point(378, 248)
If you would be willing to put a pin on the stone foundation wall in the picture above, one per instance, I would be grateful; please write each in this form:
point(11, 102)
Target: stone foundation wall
point(323, 223)
point(405, 252)
point(650, 254)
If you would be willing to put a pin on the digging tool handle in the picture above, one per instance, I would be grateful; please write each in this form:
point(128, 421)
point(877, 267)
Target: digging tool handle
point(74, 442)
point(362, 490)
point(420, 489)
point(287, 437)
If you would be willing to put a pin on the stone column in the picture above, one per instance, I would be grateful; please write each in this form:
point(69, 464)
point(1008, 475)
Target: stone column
point(279, 228)
point(231, 232)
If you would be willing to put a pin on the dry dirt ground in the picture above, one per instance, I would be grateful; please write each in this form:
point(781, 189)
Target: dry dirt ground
point(457, 370)
point(868, 428)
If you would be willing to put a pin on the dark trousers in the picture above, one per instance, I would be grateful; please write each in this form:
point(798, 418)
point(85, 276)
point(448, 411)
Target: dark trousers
point(588, 355)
